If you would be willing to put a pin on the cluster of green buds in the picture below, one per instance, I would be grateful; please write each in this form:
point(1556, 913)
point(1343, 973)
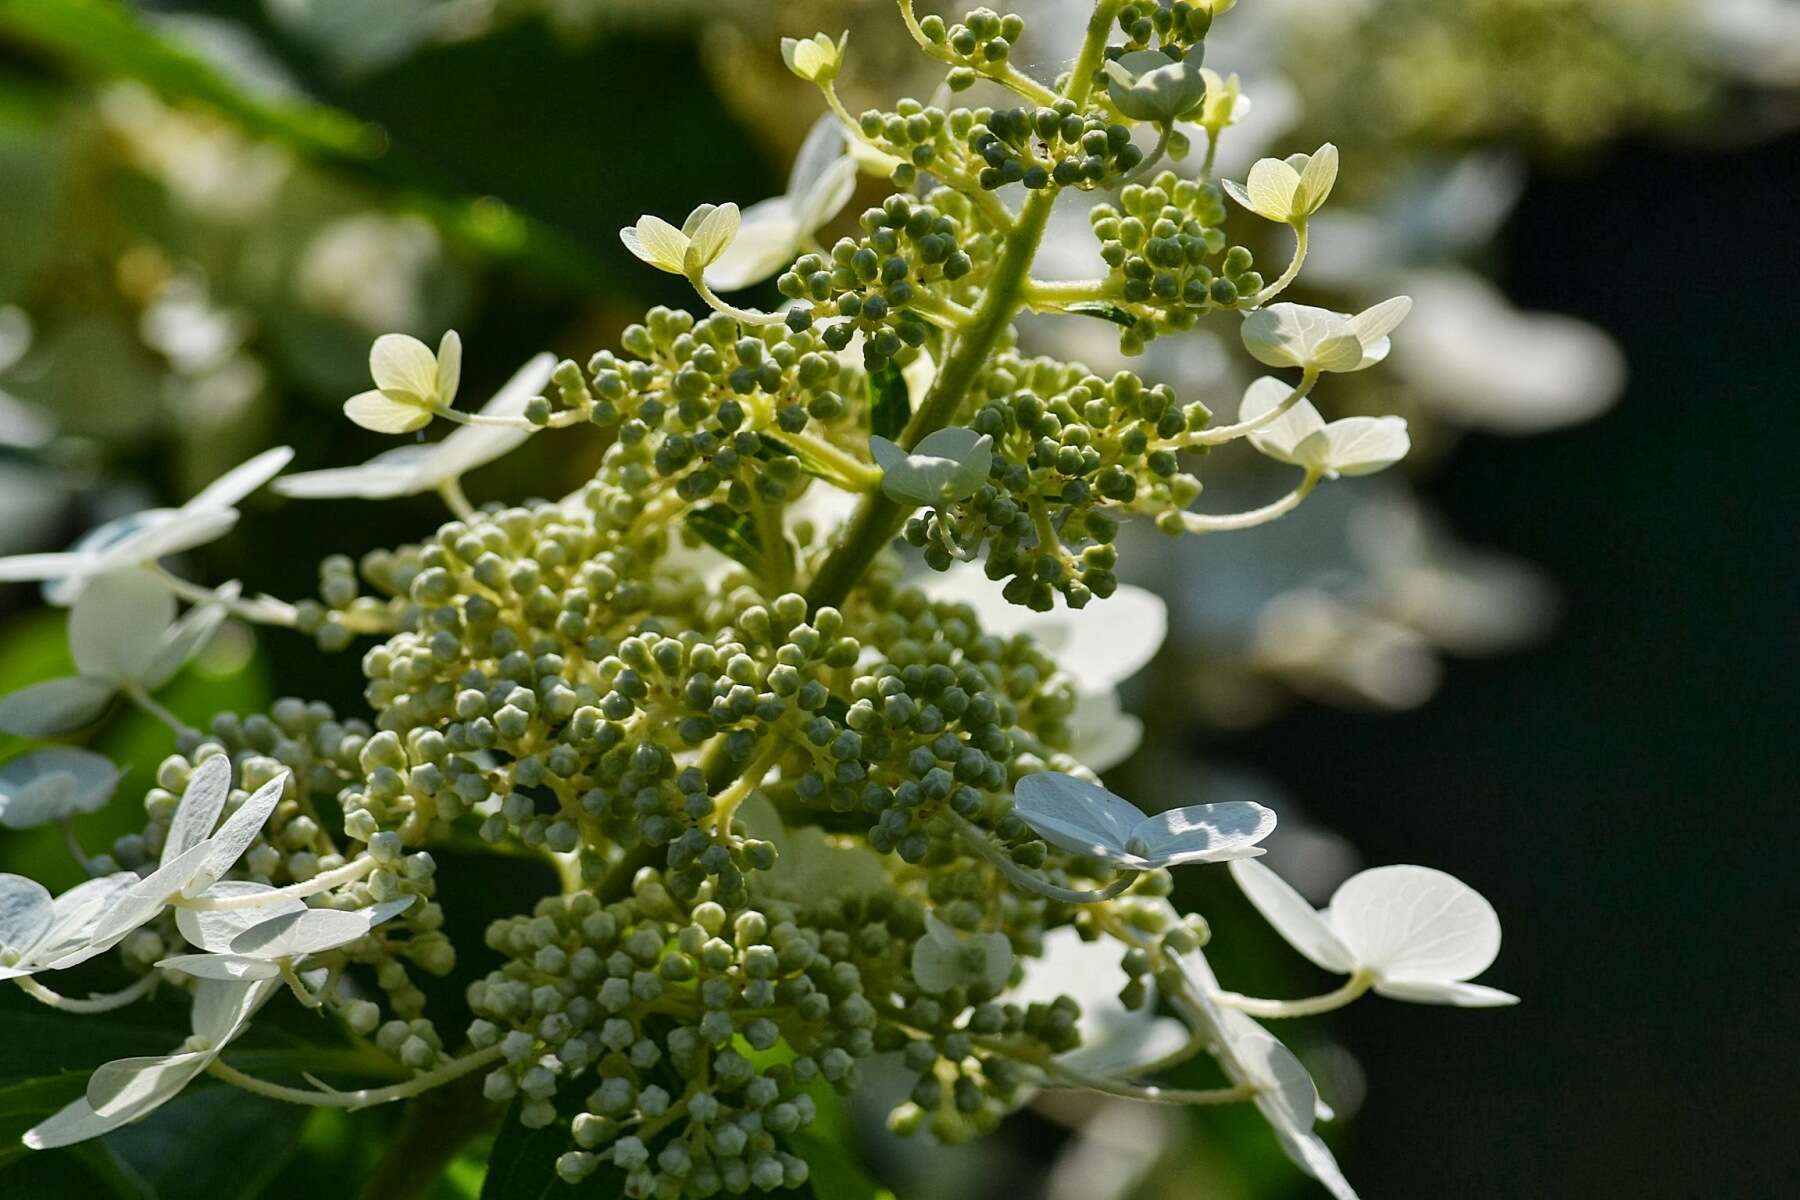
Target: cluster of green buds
point(799, 809)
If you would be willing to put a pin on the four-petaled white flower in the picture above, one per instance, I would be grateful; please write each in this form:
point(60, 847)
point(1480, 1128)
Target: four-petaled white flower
point(1287, 191)
point(946, 957)
point(37, 932)
point(124, 636)
point(1115, 1040)
point(255, 943)
point(128, 1089)
point(1225, 104)
point(1299, 335)
point(195, 855)
point(774, 232)
point(1086, 819)
point(144, 537)
point(700, 242)
point(946, 466)
point(1302, 438)
point(1147, 85)
point(816, 59)
point(52, 784)
point(1419, 934)
point(408, 470)
point(411, 383)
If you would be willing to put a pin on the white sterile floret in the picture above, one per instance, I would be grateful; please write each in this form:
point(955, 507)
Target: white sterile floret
point(1225, 104)
point(260, 950)
point(145, 537)
point(700, 242)
point(945, 958)
point(1147, 85)
point(410, 382)
point(52, 784)
point(1287, 191)
point(194, 856)
point(409, 470)
point(816, 59)
point(1115, 1040)
point(946, 466)
point(1302, 438)
point(1299, 335)
point(1284, 1091)
point(1418, 933)
point(1084, 818)
point(128, 1089)
point(124, 635)
point(776, 231)
point(41, 934)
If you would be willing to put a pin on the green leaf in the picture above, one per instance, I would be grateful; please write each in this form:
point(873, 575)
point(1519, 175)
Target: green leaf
point(24, 1104)
point(522, 1165)
point(1103, 310)
point(732, 534)
point(192, 1146)
point(833, 1171)
point(890, 404)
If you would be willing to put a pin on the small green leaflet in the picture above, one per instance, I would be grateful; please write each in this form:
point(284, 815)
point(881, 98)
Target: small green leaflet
point(890, 405)
point(1103, 310)
point(732, 534)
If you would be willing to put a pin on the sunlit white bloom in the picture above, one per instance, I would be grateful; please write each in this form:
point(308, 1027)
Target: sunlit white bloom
point(38, 932)
point(1287, 191)
point(1285, 1094)
point(946, 957)
point(195, 855)
point(947, 465)
point(1338, 651)
point(185, 326)
point(124, 636)
point(262, 949)
point(1302, 438)
point(54, 783)
point(145, 537)
point(774, 232)
point(816, 59)
point(1299, 335)
point(1485, 364)
point(1418, 933)
point(1104, 734)
point(409, 470)
point(700, 242)
point(128, 1089)
point(410, 383)
point(1086, 819)
point(370, 268)
point(1115, 1040)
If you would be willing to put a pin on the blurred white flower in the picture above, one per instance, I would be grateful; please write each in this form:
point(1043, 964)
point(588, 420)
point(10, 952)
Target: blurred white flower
point(1482, 363)
point(947, 957)
point(1757, 41)
point(125, 638)
point(53, 783)
point(776, 231)
point(1418, 933)
point(183, 325)
point(1336, 651)
point(144, 537)
point(204, 161)
point(128, 1089)
point(409, 470)
point(370, 269)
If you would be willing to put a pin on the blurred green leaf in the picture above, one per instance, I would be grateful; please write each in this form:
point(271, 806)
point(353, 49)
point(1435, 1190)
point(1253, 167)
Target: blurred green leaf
point(890, 404)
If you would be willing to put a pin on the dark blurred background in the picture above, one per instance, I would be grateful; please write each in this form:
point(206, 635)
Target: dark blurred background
point(1623, 793)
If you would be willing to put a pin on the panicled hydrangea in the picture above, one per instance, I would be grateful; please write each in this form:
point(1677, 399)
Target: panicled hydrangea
point(800, 809)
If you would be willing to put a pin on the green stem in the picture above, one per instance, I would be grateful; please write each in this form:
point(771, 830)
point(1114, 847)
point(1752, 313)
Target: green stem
point(1288, 276)
point(1194, 522)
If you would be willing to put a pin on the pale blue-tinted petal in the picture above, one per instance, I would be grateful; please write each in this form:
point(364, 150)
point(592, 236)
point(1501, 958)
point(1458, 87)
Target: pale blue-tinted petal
point(56, 706)
point(241, 480)
point(54, 782)
point(118, 624)
point(214, 928)
point(1204, 832)
point(314, 930)
point(1080, 817)
point(208, 787)
point(26, 914)
point(223, 967)
point(234, 837)
point(1304, 927)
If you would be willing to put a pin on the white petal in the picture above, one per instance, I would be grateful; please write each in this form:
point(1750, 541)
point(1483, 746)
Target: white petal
point(146, 898)
point(1080, 817)
point(381, 413)
point(128, 1088)
point(118, 623)
point(657, 242)
point(1204, 832)
point(1373, 324)
point(1416, 923)
point(172, 534)
point(222, 1009)
point(404, 365)
point(710, 237)
point(391, 473)
point(1281, 438)
point(827, 198)
point(74, 1122)
point(208, 787)
point(1361, 445)
point(1305, 928)
point(19, 568)
point(235, 836)
point(1270, 188)
point(449, 367)
point(1461, 995)
point(471, 446)
point(188, 637)
point(767, 241)
point(77, 911)
point(225, 967)
point(1104, 736)
point(825, 146)
point(26, 913)
point(56, 706)
point(313, 931)
point(214, 928)
point(55, 782)
point(241, 480)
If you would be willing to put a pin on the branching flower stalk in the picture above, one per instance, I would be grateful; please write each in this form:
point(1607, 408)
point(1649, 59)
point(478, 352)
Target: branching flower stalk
point(800, 810)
